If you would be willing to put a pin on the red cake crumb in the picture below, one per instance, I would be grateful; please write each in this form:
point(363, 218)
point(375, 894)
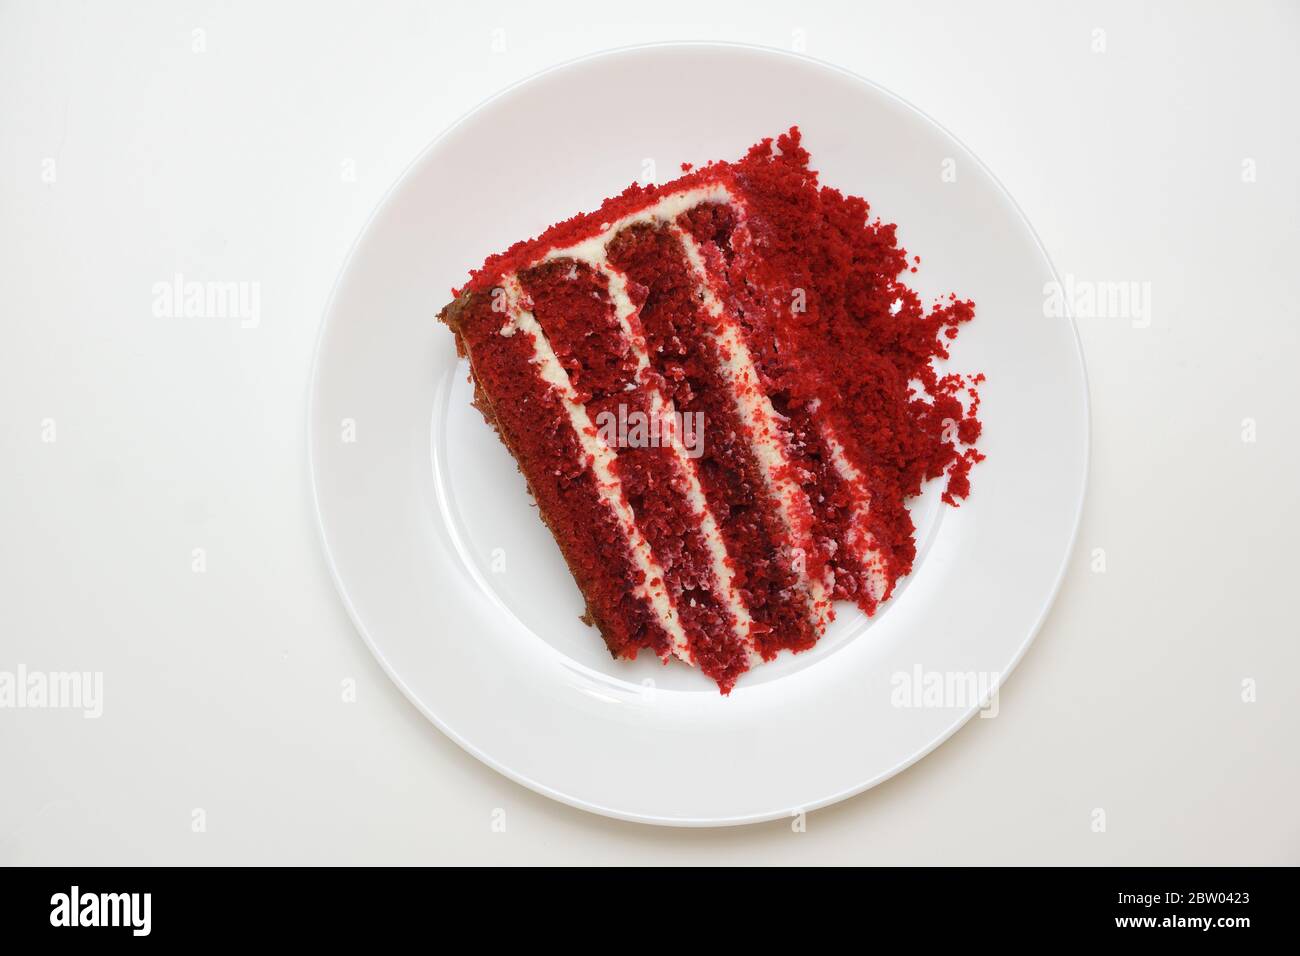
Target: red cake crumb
point(845, 358)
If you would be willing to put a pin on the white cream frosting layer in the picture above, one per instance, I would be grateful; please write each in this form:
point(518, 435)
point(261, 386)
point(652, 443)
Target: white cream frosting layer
point(662, 408)
point(595, 250)
point(767, 439)
point(652, 588)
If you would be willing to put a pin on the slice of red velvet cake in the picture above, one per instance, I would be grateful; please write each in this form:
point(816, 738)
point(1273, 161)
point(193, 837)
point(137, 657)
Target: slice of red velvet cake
point(721, 394)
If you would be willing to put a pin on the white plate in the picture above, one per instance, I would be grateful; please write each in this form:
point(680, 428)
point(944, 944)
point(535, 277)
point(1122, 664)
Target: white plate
point(460, 591)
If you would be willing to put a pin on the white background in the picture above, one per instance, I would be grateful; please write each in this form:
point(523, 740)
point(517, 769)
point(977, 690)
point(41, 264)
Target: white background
point(222, 690)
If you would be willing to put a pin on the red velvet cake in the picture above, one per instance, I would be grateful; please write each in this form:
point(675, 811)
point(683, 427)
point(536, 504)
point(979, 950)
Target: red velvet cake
point(721, 394)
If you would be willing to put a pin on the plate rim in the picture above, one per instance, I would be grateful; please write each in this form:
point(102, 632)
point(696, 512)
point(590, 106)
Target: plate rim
point(311, 407)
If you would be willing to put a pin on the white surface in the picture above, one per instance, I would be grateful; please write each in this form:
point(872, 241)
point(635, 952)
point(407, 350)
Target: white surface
point(222, 689)
point(466, 601)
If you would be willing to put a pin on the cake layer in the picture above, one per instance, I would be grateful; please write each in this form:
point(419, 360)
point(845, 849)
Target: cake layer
point(525, 393)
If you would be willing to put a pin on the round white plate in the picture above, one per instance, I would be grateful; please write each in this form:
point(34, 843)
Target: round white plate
point(459, 589)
